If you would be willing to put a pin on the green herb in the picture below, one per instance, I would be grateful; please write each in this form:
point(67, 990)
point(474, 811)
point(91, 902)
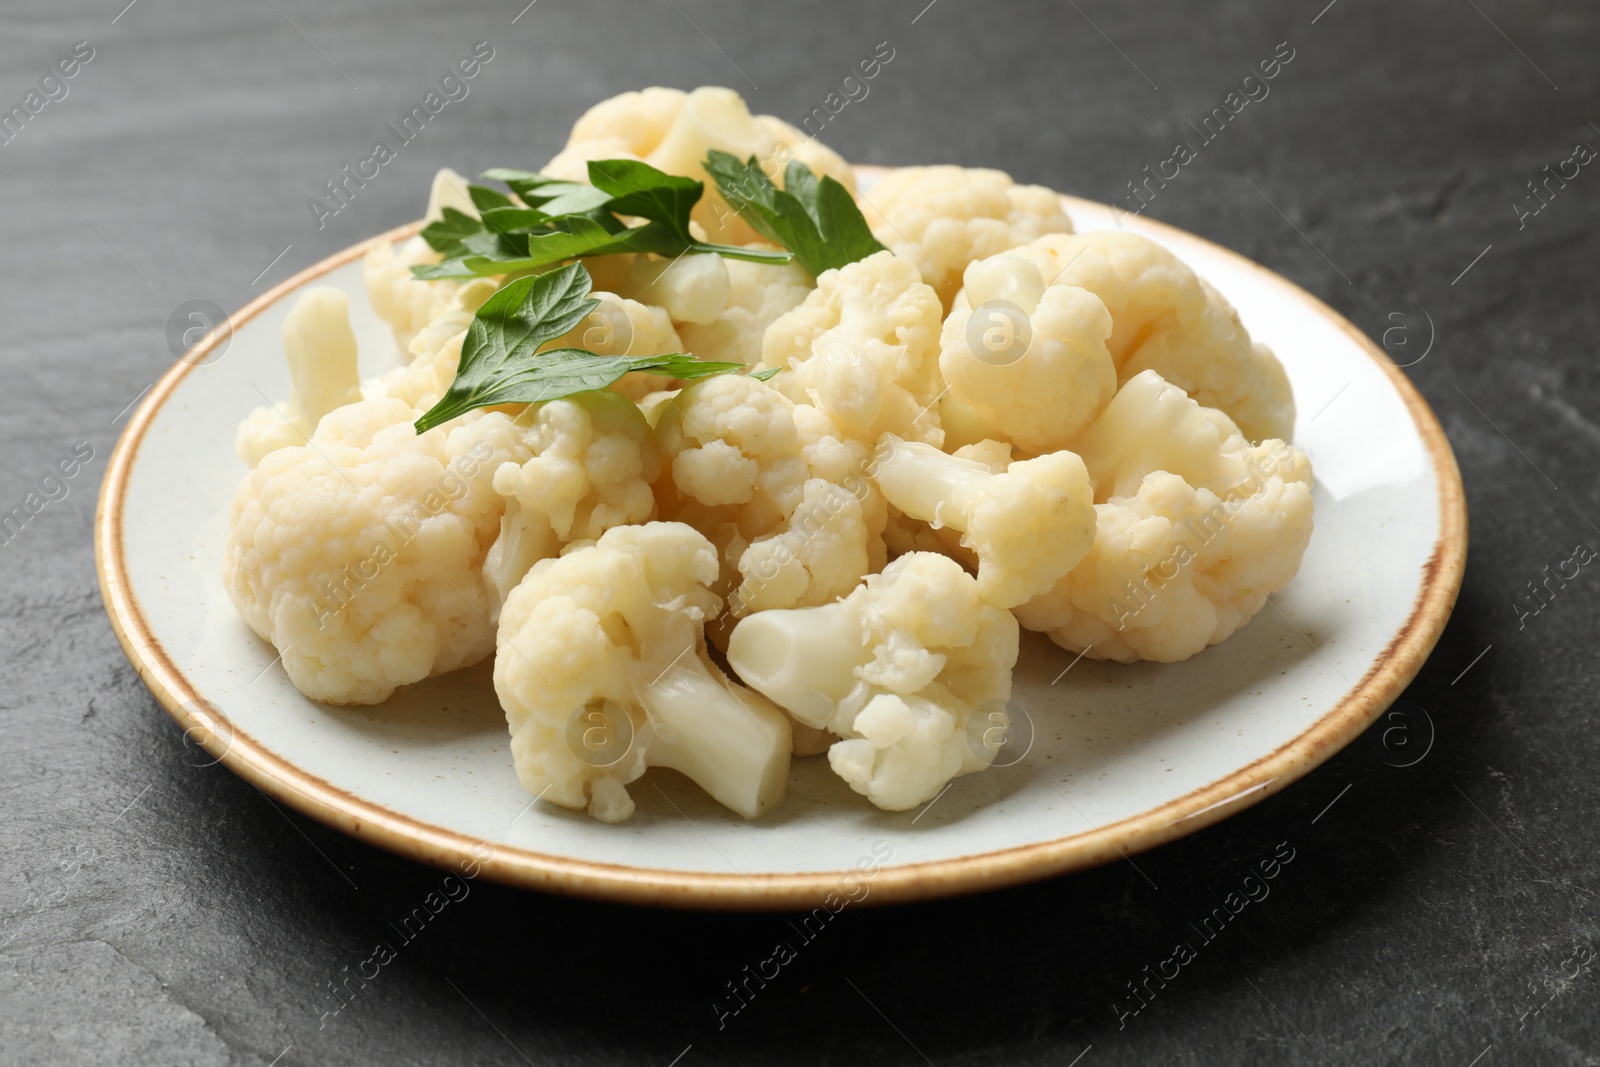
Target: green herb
point(501, 361)
point(560, 220)
point(816, 220)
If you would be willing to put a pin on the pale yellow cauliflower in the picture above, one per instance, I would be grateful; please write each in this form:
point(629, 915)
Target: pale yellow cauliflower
point(1194, 530)
point(898, 669)
point(320, 349)
point(592, 465)
point(1028, 359)
point(360, 555)
point(1165, 318)
point(863, 346)
point(1028, 524)
point(758, 294)
point(601, 667)
point(943, 218)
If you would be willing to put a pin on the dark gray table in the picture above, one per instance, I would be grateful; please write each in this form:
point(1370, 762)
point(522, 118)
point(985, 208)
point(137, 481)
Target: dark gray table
point(156, 912)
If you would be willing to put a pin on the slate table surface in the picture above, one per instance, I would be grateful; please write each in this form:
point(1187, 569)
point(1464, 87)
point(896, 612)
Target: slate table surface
point(154, 912)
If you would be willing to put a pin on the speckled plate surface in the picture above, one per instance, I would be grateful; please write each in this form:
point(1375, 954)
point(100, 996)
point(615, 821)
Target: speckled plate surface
point(1123, 758)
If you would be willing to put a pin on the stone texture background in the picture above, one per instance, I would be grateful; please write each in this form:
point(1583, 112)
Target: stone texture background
point(156, 912)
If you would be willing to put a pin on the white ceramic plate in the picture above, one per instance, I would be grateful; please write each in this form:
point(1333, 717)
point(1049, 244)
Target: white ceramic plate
point(1124, 758)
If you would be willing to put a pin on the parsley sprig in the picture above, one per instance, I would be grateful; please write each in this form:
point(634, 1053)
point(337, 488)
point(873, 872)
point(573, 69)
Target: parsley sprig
point(559, 220)
point(817, 220)
point(503, 361)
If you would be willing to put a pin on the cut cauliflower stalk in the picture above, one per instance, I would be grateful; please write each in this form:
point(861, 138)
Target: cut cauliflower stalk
point(863, 346)
point(1028, 526)
point(592, 464)
point(323, 375)
point(1195, 529)
point(1165, 318)
point(1034, 381)
point(609, 637)
point(896, 669)
point(360, 555)
point(943, 218)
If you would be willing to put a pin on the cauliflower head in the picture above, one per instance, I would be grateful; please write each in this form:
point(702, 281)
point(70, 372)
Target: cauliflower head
point(863, 346)
point(1167, 319)
point(943, 218)
point(601, 667)
point(1195, 528)
point(359, 555)
point(1028, 525)
point(896, 669)
point(1029, 360)
point(593, 460)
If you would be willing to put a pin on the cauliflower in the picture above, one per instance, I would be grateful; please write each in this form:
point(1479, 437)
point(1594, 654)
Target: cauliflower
point(1194, 530)
point(1165, 318)
point(943, 218)
point(863, 347)
point(774, 487)
point(673, 131)
point(603, 648)
point(593, 461)
point(897, 669)
point(321, 350)
point(359, 555)
point(692, 289)
point(1029, 360)
point(1028, 526)
point(758, 294)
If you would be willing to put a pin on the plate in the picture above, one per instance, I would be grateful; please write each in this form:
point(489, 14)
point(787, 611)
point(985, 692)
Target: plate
point(1121, 759)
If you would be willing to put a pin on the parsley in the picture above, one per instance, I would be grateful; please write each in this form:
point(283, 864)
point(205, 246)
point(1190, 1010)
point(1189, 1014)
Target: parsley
point(816, 220)
point(559, 220)
point(501, 360)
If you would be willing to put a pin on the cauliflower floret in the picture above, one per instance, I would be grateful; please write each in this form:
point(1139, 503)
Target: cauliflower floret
point(943, 218)
point(692, 289)
point(897, 669)
point(1031, 360)
point(360, 555)
point(592, 466)
point(1195, 529)
point(775, 487)
point(1165, 318)
point(1028, 526)
point(673, 131)
point(321, 351)
point(758, 294)
point(601, 667)
point(863, 347)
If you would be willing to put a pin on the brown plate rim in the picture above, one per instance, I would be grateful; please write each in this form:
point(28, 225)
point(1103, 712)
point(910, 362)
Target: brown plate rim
point(1388, 676)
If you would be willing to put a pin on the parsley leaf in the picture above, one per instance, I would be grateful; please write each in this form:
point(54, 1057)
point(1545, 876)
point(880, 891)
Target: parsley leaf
point(501, 361)
point(560, 220)
point(815, 219)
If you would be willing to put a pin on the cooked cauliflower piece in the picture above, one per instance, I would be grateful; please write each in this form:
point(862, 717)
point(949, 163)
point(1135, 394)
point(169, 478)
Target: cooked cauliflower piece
point(405, 302)
point(863, 347)
point(897, 669)
point(673, 131)
point(592, 464)
point(1194, 530)
point(773, 485)
point(1028, 359)
point(943, 218)
point(435, 349)
point(1028, 526)
point(692, 289)
point(603, 649)
point(360, 555)
point(1165, 318)
point(321, 351)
